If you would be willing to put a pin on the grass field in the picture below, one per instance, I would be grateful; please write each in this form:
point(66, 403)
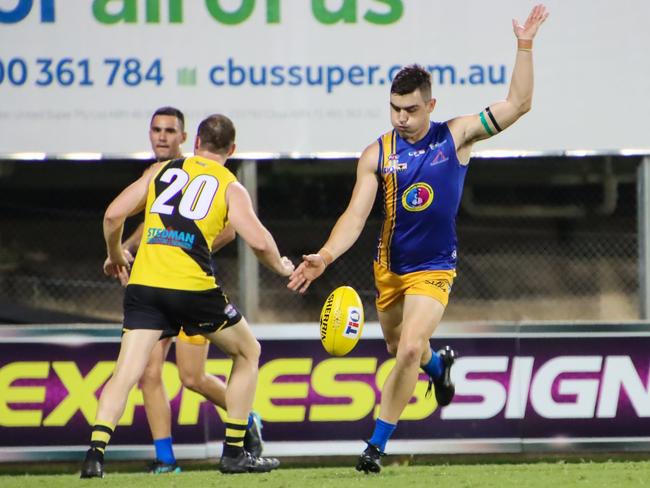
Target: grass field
point(541, 474)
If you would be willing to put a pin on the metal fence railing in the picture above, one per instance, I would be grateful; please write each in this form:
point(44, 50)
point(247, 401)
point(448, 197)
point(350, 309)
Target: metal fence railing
point(539, 239)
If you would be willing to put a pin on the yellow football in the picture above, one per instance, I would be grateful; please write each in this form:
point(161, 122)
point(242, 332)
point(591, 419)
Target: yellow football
point(341, 321)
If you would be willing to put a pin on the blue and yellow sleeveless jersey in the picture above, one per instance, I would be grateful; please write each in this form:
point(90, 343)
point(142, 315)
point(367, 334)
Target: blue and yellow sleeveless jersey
point(185, 210)
point(422, 185)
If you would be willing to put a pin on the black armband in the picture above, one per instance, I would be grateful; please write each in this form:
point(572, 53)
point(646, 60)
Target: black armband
point(494, 121)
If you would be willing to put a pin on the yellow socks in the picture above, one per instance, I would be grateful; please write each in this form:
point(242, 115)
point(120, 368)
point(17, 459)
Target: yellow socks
point(102, 432)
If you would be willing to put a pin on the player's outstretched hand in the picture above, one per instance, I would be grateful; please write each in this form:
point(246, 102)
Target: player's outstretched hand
point(312, 267)
point(536, 18)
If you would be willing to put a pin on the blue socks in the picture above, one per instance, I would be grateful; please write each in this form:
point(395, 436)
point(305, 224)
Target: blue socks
point(164, 451)
point(434, 367)
point(383, 431)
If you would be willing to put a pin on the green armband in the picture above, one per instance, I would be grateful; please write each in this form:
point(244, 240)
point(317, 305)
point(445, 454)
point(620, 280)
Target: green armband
point(485, 124)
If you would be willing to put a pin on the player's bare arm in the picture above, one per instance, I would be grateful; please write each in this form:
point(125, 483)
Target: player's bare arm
point(244, 221)
point(129, 248)
point(349, 225)
point(498, 116)
point(225, 237)
point(132, 243)
point(131, 201)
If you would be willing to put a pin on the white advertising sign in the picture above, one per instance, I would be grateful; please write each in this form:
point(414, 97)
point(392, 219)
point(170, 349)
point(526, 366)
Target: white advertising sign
point(312, 76)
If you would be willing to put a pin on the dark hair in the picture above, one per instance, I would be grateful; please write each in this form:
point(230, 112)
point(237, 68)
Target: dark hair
point(411, 78)
point(174, 112)
point(217, 134)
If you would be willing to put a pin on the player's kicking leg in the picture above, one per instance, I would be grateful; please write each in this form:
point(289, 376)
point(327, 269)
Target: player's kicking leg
point(438, 366)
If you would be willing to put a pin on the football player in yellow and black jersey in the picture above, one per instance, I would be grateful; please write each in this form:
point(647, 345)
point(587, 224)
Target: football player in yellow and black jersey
point(166, 135)
point(187, 203)
point(420, 166)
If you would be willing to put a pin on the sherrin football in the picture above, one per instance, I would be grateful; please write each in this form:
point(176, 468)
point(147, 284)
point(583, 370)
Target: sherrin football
point(341, 321)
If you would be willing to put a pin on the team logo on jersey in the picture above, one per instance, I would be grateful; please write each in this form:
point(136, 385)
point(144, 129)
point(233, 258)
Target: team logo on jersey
point(435, 145)
point(230, 310)
point(439, 156)
point(391, 165)
point(417, 197)
point(170, 237)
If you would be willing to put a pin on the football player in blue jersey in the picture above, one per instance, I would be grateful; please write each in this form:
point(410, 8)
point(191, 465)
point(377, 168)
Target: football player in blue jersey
point(420, 166)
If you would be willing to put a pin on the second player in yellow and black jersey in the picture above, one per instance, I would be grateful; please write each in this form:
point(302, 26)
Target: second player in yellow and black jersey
point(187, 203)
point(186, 209)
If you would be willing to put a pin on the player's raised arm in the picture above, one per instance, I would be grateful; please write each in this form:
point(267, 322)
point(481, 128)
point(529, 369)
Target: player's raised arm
point(244, 221)
point(349, 225)
point(500, 115)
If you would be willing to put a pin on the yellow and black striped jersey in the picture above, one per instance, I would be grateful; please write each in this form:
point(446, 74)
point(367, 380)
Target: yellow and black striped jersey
point(185, 210)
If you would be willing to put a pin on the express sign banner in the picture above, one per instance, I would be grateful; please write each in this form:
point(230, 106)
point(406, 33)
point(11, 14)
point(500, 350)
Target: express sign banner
point(514, 389)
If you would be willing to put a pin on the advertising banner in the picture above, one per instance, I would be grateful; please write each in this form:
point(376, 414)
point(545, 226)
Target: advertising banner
point(305, 77)
point(515, 391)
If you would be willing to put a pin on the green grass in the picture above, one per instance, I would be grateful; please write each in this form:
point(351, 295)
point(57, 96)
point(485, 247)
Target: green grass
point(543, 474)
